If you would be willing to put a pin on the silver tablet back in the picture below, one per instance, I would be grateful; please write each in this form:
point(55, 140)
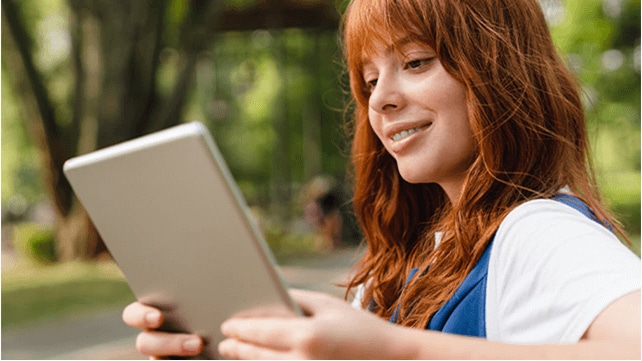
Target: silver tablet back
point(175, 222)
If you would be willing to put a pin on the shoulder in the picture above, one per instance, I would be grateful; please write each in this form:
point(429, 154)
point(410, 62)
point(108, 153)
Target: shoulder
point(545, 236)
point(551, 271)
point(555, 215)
point(549, 226)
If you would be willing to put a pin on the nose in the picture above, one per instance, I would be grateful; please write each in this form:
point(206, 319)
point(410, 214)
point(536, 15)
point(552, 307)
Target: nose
point(387, 95)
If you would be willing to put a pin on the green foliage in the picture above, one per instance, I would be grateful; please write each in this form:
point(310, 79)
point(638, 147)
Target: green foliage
point(239, 4)
point(617, 148)
point(287, 246)
point(601, 40)
point(622, 191)
point(629, 215)
point(252, 82)
point(35, 242)
point(20, 167)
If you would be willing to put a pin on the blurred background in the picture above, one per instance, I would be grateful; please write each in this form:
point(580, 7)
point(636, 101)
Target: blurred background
point(266, 77)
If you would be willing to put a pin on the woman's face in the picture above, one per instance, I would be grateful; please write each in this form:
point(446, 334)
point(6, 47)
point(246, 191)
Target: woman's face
point(418, 111)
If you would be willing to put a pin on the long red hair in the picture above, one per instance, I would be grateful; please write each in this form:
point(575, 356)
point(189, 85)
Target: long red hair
point(527, 117)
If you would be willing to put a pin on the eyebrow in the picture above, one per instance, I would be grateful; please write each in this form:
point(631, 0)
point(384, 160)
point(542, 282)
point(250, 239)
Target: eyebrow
point(390, 48)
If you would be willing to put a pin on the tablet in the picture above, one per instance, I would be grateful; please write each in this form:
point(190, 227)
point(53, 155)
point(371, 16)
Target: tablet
point(178, 227)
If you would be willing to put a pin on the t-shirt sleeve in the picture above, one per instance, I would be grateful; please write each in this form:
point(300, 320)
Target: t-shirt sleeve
point(358, 297)
point(552, 270)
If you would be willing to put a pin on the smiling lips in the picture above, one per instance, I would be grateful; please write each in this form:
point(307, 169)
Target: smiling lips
point(407, 132)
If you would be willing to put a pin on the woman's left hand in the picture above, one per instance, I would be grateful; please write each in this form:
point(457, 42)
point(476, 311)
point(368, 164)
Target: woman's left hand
point(332, 330)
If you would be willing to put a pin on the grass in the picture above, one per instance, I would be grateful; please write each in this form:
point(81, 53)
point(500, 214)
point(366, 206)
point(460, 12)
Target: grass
point(33, 293)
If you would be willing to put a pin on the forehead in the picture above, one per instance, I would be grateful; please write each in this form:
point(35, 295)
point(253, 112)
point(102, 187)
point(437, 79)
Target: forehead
point(398, 45)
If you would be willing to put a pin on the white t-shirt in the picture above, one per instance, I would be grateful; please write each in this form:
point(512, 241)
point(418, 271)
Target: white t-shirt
point(552, 270)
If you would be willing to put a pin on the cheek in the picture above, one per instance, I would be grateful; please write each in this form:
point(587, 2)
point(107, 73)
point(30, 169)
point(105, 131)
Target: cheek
point(445, 90)
point(467, 145)
point(375, 125)
point(455, 109)
point(452, 95)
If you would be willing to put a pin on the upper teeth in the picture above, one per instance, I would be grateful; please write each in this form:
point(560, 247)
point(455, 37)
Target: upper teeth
point(404, 133)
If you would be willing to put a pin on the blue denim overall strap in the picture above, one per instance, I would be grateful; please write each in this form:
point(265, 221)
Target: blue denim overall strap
point(465, 312)
point(580, 206)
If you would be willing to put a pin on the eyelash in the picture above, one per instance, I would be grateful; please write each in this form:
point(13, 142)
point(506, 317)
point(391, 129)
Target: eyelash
point(370, 85)
point(417, 62)
point(410, 65)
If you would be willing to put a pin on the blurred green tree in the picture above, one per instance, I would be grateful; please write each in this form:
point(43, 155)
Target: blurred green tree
point(263, 74)
point(113, 59)
point(278, 93)
point(601, 41)
point(106, 84)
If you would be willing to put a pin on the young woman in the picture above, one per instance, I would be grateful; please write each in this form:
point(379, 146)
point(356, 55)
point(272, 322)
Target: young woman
point(485, 232)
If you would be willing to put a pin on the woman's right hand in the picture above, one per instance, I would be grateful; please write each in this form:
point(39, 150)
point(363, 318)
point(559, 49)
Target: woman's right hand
point(158, 344)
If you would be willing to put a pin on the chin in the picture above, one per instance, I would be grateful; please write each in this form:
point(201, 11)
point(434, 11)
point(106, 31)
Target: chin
point(412, 177)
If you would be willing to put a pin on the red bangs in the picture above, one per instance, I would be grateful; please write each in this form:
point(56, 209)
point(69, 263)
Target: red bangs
point(368, 24)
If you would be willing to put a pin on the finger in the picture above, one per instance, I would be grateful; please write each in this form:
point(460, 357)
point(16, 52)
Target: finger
point(168, 344)
point(235, 349)
point(142, 316)
point(311, 302)
point(274, 333)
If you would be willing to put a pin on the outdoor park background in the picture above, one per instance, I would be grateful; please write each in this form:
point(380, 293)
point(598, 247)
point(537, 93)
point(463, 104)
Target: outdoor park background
point(266, 78)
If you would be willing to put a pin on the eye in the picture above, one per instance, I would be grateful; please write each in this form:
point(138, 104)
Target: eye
point(417, 63)
point(370, 85)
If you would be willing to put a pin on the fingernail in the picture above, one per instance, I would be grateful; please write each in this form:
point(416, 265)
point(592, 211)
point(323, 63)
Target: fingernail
point(192, 345)
point(152, 319)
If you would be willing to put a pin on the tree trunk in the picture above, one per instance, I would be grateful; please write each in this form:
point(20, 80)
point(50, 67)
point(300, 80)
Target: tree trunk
point(81, 237)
